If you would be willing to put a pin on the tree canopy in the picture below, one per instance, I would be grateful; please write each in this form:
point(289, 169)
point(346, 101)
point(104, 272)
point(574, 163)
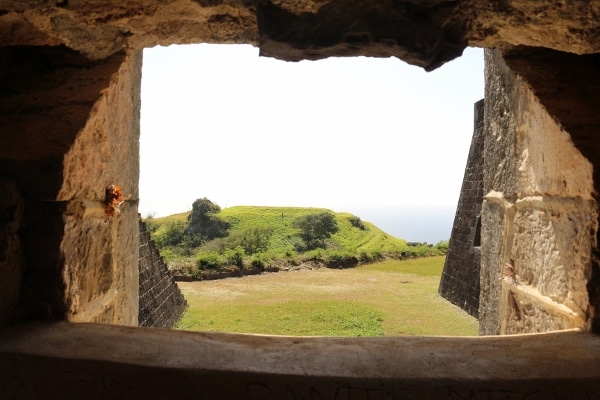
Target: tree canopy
point(315, 228)
point(203, 222)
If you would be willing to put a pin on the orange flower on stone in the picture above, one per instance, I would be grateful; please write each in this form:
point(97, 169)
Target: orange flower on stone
point(113, 200)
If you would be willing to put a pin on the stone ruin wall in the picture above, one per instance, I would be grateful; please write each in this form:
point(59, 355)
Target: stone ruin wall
point(69, 112)
point(459, 283)
point(161, 303)
point(538, 210)
point(70, 128)
point(69, 93)
point(105, 152)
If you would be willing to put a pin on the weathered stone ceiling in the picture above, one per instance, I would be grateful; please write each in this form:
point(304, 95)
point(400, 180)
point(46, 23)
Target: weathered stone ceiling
point(422, 32)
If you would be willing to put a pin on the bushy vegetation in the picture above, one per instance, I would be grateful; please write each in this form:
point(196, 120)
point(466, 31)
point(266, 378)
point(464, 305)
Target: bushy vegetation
point(208, 238)
point(315, 228)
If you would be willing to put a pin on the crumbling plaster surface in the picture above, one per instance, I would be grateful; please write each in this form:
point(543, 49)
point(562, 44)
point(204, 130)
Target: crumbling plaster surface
point(539, 211)
point(424, 33)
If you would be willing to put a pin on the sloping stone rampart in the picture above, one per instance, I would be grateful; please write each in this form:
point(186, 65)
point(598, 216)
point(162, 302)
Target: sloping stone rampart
point(161, 301)
point(460, 278)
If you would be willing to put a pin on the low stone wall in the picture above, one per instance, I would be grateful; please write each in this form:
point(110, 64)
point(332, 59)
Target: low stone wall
point(161, 301)
point(237, 273)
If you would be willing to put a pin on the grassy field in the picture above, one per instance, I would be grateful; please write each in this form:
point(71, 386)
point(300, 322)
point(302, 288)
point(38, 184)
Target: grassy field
point(383, 299)
point(281, 219)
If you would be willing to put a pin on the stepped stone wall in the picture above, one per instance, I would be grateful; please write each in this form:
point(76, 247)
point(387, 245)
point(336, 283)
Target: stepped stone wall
point(460, 279)
point(161, 301)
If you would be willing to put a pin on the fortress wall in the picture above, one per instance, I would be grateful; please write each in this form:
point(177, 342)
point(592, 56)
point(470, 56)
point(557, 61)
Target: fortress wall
point(460, 278)
point(69, 115)
point(70, 128)
point(98, 251)
point(161, 303)
point(538, 213)
point(11, 252)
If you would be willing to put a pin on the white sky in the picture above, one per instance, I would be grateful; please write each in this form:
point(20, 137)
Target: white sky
point(219, 121)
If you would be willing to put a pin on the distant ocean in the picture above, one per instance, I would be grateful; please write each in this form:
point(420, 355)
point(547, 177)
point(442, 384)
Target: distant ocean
point(411, 224)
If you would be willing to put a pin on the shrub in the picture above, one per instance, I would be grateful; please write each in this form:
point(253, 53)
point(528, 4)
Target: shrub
point(260, 260)
point(171, 236)
point(341, 260)
point(443, 245)
point(357, 223)
point(235, 256)
point(208, 260)
point(317, 255)
point(364, 257)
point(377, 255)
point(183, 267)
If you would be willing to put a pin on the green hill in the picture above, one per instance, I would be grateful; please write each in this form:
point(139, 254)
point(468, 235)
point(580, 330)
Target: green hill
point(263, 236)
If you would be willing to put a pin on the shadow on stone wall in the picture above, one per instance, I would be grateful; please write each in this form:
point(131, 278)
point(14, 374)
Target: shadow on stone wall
point(161, 301)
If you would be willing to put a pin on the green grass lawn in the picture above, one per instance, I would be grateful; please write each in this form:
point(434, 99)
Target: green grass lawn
point(383, 299)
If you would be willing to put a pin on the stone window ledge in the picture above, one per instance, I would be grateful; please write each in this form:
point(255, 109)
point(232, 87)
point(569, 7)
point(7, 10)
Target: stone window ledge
point(62, 360)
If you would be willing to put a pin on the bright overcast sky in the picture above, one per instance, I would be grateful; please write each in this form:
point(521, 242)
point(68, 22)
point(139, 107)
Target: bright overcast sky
point(219, 121)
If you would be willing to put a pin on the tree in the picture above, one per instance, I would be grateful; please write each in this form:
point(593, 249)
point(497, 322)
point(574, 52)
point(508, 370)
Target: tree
point(315, 228)
point(203, 223)
point(357, 223)
point(255, 240)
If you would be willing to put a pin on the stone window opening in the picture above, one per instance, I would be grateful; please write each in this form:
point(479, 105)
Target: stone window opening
point(73, 360)
point(371, 103)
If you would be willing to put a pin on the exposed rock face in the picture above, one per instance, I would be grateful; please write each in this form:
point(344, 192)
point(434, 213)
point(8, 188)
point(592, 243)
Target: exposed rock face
point(424, 33)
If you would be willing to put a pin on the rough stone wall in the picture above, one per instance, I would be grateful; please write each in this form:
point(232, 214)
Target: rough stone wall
point(424, 33)
point(566, 85)
point(67, 66)
point(70, 128)
point(161, 301)
point(69, 105)
point(98, 251)
point(539, 213)
point(11, 252)
point(460, 278)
